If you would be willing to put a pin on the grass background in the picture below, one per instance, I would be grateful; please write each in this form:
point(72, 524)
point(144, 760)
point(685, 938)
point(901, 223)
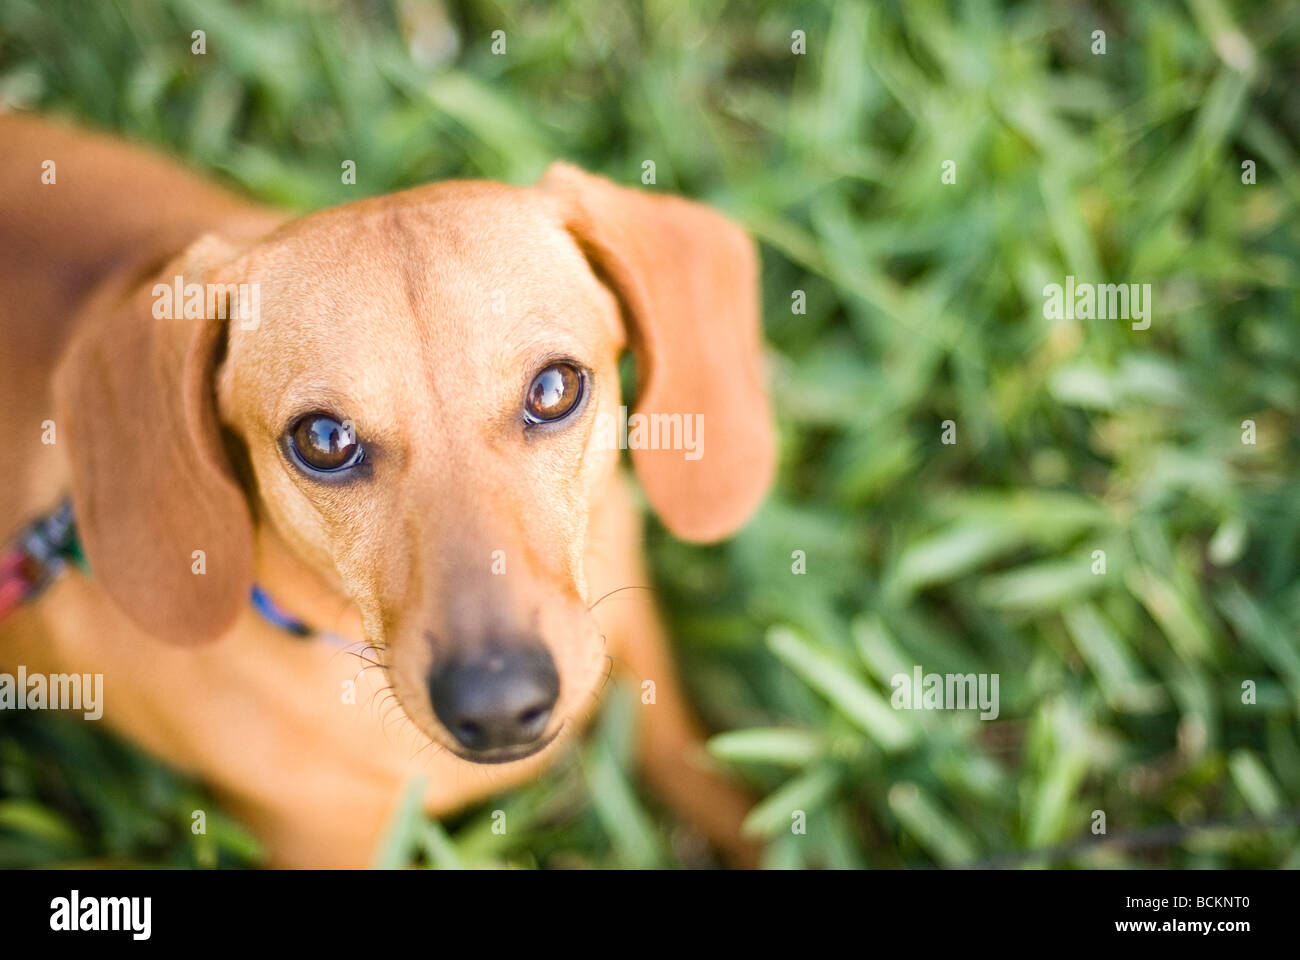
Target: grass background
point(1120, 692)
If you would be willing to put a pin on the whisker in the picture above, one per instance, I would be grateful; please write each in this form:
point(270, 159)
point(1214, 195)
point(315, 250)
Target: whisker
point(383, 724)
point(386, 688)
point(429, 742)
point(635, 586)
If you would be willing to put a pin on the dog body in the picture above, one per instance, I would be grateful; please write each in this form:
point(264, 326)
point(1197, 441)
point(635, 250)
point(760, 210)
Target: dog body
point(432, 333)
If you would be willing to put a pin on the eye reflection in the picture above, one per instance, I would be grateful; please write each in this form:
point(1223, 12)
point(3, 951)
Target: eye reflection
point(322, 442)
point(554, 393)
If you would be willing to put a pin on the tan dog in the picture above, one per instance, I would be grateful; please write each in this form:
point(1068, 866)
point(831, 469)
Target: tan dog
point(405, 445)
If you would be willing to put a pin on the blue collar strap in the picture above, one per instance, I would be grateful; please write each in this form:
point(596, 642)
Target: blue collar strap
point(277, 617)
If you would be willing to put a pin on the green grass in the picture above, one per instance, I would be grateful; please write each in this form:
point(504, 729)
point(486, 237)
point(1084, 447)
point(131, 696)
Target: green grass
point(1121, 691)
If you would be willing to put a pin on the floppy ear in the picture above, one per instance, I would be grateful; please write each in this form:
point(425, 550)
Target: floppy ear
point(151, 483)
point(687, 279)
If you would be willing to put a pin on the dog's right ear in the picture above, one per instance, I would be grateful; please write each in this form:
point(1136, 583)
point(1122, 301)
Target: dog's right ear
point(151, 483)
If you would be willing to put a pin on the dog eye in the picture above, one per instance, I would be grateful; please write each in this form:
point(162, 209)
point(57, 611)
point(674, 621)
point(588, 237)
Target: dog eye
point(321, 442)
point(554, 393)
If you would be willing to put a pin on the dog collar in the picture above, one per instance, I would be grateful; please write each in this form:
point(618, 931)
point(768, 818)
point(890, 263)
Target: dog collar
point(274, 615)
point(49, 543)
point(37, 556)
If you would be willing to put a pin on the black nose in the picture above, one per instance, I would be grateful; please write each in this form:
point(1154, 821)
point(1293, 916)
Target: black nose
point(495, 698)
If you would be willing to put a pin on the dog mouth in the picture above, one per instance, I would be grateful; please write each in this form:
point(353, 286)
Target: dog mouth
point(500, 755)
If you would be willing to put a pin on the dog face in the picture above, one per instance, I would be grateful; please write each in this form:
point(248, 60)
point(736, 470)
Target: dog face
point(420, 402)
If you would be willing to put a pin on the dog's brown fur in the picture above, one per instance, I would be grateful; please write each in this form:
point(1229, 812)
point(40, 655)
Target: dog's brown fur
point(422, 316)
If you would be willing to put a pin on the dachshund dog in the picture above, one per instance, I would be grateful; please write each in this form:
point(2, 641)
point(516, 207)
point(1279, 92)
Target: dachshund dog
point(391, 419)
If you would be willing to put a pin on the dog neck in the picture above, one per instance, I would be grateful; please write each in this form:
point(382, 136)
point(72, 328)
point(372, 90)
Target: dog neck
point(288, 595)
point(299, 593)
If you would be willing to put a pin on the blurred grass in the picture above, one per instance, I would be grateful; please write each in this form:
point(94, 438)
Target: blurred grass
point(1120, 692)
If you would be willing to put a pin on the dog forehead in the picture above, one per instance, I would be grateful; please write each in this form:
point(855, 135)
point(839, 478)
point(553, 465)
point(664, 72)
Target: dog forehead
point(384, 300)
point(440, 265)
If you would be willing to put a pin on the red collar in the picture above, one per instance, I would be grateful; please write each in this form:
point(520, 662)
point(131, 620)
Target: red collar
point(37, 556)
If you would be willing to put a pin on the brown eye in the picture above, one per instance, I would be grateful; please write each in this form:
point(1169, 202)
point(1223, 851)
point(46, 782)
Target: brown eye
point(320, 442)
point(554, 393)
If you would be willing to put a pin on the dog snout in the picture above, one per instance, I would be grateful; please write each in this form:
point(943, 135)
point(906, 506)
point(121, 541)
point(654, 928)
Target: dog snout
point(496, 701)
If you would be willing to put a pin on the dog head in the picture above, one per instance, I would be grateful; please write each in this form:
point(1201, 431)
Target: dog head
point(419, 393)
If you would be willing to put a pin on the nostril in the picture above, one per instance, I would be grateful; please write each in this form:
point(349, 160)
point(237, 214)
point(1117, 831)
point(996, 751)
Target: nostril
point(497, 697)
point(468, 733)
point(531, 716)
point(532, 721)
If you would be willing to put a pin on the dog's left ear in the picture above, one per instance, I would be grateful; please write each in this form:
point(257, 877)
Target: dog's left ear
point(151, 484)
point(687, 279)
